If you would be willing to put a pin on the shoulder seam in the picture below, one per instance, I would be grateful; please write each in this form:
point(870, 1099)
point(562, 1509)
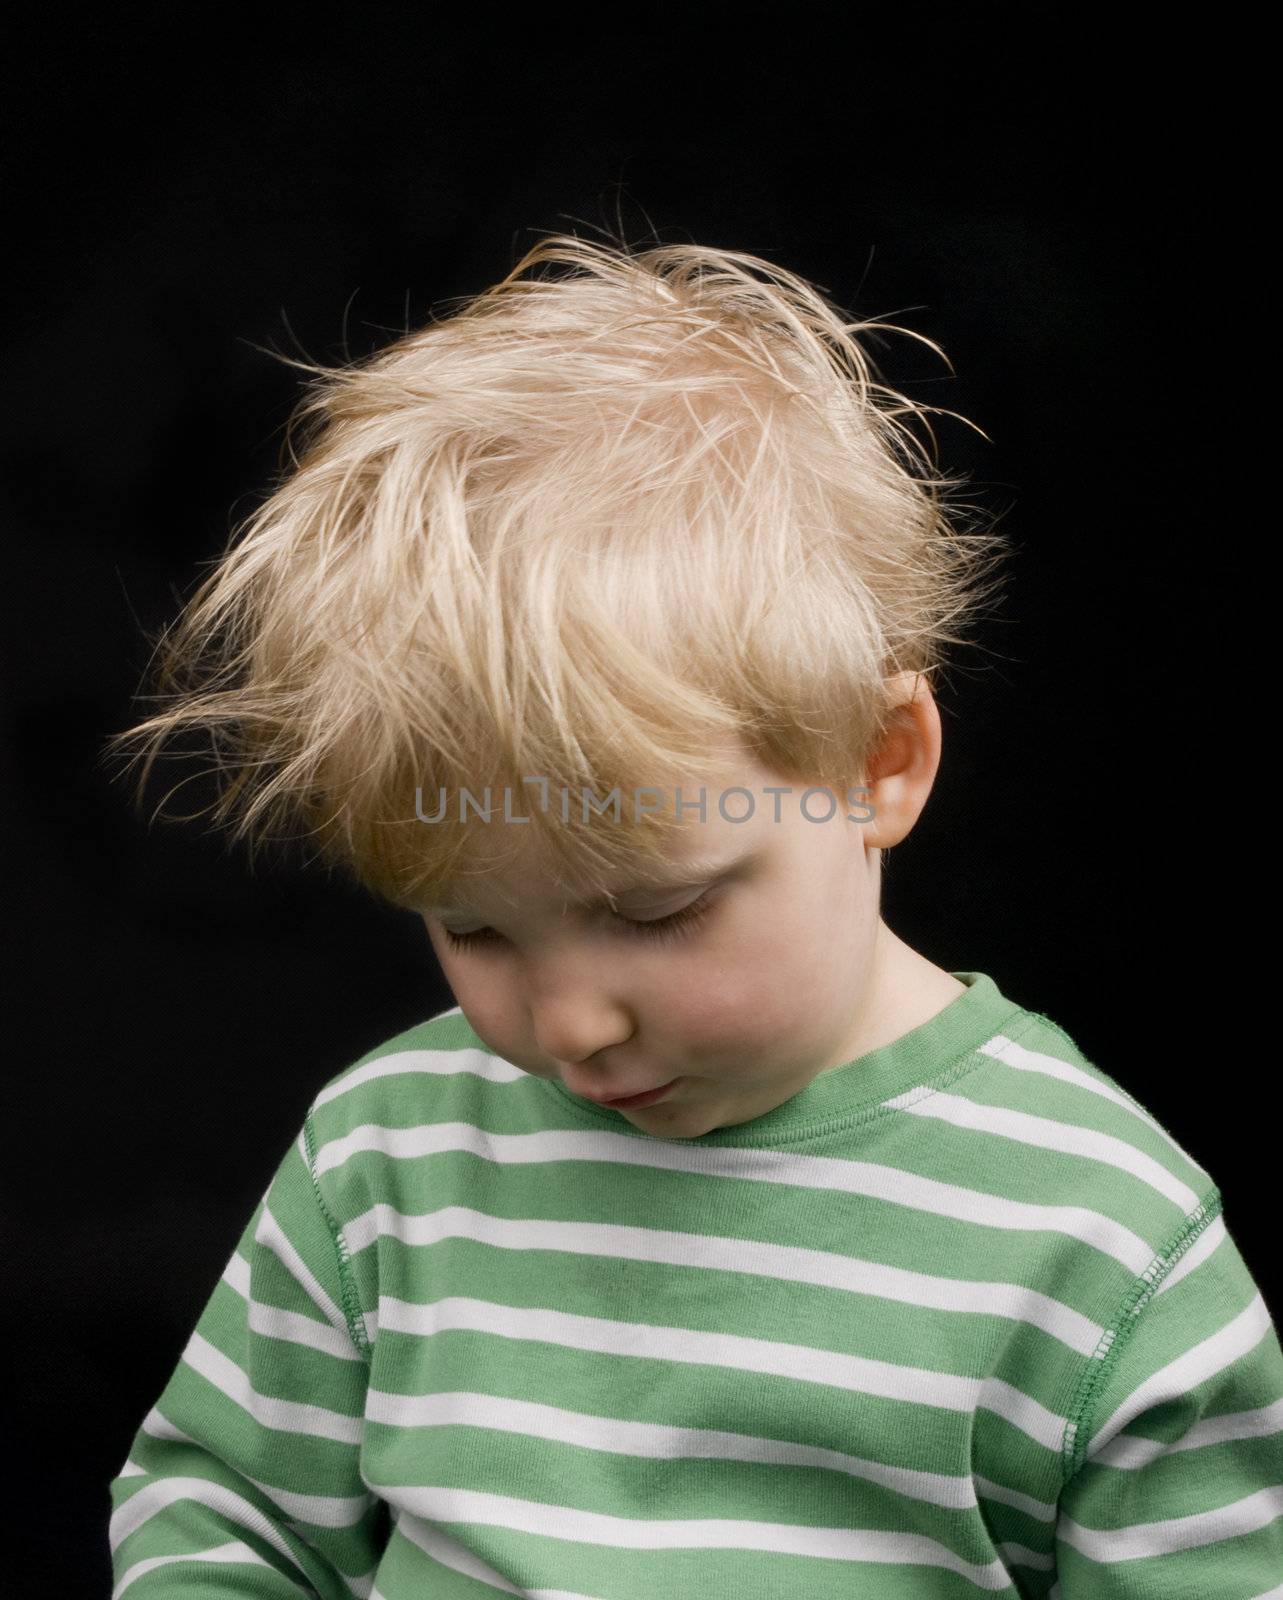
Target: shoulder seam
point(1027, 1023)
point(1119, 1330)
point(351, 1299)
point(1075, 1048)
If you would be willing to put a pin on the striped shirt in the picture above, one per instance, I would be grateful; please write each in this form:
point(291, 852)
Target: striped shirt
point(958, 1319)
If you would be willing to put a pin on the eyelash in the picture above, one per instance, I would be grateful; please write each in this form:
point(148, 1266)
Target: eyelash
point(676, 926)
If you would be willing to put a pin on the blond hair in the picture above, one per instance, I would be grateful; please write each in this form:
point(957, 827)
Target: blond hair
point(585, 529)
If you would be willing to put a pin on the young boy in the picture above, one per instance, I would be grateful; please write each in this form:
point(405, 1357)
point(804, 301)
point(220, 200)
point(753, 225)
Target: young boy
point(716, 1243)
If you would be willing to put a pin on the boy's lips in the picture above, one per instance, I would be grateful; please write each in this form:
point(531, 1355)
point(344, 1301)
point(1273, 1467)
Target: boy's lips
point(638, 1097)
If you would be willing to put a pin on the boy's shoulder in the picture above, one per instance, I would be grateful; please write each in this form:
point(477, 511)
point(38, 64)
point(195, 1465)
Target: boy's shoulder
point(385, 1084)
point(1082, 1138)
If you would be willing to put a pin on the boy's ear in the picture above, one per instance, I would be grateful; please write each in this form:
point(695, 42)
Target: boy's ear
point(903, 765)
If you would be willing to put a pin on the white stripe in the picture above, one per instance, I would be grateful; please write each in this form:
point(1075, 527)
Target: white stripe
point(1045, 1133)
point(986, 1489)
point(319, 1510)
point(236, 1551)
point(1023, 1059)
point(1248, 1515)
point(285, 1416)
point(156, 1425)
point(156, 1497)
point(237, 1274)
point(270, 1234)
point(658, 1441)
point(720, 1253)
point(295, 1328)
point(1174, 1381)
point(1020, 1555)
point(291, 1326)
point(441, 1504)
point(876, 1181)
point(1212, 1237)
point(435, 1543)
point(1129, 1452)
point(429, 1063)
point(732, 1352)
point(323, 1511)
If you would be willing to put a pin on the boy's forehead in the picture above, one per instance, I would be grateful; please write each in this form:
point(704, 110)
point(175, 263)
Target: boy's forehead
point(528, 890)
point(703, 849)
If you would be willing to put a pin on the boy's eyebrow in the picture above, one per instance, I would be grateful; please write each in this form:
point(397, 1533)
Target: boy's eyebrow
point(699, 870)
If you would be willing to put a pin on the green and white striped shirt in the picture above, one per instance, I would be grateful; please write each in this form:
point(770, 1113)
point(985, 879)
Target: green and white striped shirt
point(958, 1319)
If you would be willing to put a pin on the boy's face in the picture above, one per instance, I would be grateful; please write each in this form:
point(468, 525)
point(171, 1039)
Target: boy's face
point(740, 1009)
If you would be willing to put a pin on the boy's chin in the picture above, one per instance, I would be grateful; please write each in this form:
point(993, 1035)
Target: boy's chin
point(683, 1119)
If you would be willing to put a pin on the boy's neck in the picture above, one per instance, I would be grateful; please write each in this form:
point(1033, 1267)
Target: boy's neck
point(904, 991)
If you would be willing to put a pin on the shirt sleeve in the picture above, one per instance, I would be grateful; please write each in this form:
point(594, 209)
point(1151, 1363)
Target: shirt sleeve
point(1178, 1491)
point(244, 1479)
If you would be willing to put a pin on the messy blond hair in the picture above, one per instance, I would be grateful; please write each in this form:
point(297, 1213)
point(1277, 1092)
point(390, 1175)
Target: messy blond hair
point(589, 527)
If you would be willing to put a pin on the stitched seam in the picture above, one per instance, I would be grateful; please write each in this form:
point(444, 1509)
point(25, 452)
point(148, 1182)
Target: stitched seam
point(1056, 1028)
point(347, 1284)
point(1104, 1358)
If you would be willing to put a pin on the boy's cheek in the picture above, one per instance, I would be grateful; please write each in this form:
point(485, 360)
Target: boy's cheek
point(732, 1012)
point(489, 1014)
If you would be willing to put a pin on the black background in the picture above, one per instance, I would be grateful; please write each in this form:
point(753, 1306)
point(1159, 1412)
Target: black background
point(1048, 192)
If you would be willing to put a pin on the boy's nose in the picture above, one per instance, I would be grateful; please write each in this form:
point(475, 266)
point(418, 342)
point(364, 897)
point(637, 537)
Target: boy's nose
point(574, 1033)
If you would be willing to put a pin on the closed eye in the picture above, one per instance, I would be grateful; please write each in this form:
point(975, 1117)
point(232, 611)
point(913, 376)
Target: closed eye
point(678, 925)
